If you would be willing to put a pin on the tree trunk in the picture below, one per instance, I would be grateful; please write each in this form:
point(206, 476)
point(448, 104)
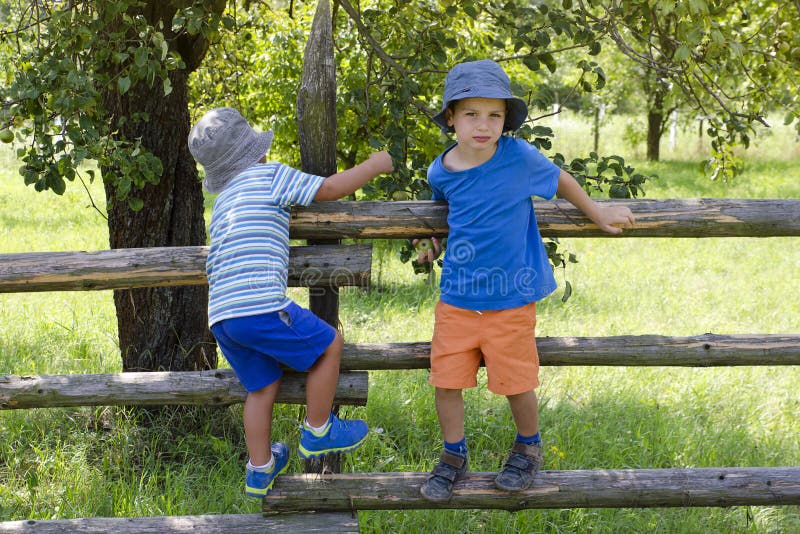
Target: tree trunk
point(316, 119)
point(162, 328)
point(655, 120)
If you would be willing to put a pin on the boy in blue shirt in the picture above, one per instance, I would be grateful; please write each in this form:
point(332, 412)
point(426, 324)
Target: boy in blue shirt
point(257, 327)
point(496, 267)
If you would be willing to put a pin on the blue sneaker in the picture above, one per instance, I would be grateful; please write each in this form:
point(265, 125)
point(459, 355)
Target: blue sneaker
point(258, 483)
point(341, 436)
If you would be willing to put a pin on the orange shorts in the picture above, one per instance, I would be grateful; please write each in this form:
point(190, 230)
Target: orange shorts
point(503, 339)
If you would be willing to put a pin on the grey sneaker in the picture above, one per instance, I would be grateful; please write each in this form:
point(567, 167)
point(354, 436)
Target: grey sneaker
point(439, 486)
point(521, 467)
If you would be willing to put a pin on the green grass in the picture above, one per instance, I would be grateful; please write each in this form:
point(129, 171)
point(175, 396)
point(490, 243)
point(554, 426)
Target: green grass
point(85, 462)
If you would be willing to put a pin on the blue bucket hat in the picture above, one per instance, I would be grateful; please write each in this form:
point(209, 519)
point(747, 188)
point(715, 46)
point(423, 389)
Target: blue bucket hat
point(481, 79)
point(225, 145)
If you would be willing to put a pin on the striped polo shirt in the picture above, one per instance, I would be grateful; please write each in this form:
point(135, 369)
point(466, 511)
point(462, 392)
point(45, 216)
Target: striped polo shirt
point(248, 260)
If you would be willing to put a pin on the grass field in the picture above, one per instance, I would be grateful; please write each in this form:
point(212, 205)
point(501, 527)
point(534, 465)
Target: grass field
point(85, 462)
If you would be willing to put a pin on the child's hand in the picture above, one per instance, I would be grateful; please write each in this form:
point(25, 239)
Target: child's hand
point(427, 248)
point(382, 161)
point(613, 219)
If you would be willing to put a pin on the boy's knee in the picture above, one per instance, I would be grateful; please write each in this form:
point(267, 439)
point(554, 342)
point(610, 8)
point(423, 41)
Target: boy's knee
point(448, 393)
point(337, 343)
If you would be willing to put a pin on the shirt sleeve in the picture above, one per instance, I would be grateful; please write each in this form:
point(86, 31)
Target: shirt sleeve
point(293, 187)
point(543, 179)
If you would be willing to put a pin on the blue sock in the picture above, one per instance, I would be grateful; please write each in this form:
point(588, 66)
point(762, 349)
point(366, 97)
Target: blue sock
point(459, 447)
point(529, 440)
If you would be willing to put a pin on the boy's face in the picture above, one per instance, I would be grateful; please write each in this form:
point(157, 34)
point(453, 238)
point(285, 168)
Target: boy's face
point(478, 122)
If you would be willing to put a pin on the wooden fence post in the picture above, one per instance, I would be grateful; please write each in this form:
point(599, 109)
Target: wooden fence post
point(316, 117)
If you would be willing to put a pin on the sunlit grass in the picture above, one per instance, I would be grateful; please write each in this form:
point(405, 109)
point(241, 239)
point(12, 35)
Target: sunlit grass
point(85, 462)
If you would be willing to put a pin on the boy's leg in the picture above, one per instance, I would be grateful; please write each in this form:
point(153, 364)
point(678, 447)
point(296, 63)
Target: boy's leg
point(453, 462)
point(323, 433)
point(512, 367)
point(241, 341)
point(525, 410)
point(321, 383)
point(450, 408)
point(258, 422)
point(525, 459)
point(455, 358)
point(267, 461)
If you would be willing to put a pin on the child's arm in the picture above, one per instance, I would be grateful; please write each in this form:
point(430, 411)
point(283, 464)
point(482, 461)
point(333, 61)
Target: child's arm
point(347, 182)
point(611, 219)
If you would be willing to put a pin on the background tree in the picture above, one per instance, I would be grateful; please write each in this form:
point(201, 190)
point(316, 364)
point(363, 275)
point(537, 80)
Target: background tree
point(108, 81)
point(731, 62)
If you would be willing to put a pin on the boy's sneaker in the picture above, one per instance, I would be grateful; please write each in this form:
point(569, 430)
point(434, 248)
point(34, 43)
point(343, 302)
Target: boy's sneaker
point(521, 467)
point(439, 486)
point(258, 483)
point(341, 436)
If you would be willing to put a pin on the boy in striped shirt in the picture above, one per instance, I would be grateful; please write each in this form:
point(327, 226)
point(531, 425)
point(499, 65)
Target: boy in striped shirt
point(257, 327)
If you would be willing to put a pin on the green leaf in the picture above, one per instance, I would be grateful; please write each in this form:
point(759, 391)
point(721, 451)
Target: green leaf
point(140, 57)
point(681, 53)
point(56, 183)
point(135, 204)
point(123, 84)
point(619, 191)
point(567, 291)
point(167, 86)
point(532, 63)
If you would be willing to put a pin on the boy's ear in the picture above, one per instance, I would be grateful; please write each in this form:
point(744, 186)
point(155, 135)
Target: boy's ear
point(448, 115)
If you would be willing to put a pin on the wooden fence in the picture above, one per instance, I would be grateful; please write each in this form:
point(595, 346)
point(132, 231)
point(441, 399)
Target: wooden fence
point(340, 265)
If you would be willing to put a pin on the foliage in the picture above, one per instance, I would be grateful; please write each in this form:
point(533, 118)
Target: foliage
point(390, 75)
point(731, 62)
point(69, 57)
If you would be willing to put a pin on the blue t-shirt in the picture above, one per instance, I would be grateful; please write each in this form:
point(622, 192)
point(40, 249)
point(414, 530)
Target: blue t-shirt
point(495, 256)
point(248, 260)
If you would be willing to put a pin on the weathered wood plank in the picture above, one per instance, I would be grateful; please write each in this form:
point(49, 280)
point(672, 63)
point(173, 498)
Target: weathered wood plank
point(218, 387)
point(336, 265)
point(612, 488)
point(316, 136)
point(697, 351)
point(654, 218)
point(221, 387)
point(324, 523)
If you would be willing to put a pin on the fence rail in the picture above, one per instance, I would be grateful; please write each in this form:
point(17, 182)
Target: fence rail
point(318, 265)
point(654, 218)
point(218, 387)
point(607, 488)
point(323, 523)
point(707, 350)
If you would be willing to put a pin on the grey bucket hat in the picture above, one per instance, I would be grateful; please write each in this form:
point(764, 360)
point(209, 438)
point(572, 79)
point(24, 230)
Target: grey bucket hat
point(481, 79)
point(225, 145)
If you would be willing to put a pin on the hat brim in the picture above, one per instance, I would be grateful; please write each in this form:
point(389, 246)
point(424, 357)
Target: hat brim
point(216, 180)
point(516, 113)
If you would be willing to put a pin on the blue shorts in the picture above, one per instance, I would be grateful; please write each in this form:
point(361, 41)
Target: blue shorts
point(256, 345)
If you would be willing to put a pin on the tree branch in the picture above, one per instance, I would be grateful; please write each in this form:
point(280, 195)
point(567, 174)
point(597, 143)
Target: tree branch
point(362, 29)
